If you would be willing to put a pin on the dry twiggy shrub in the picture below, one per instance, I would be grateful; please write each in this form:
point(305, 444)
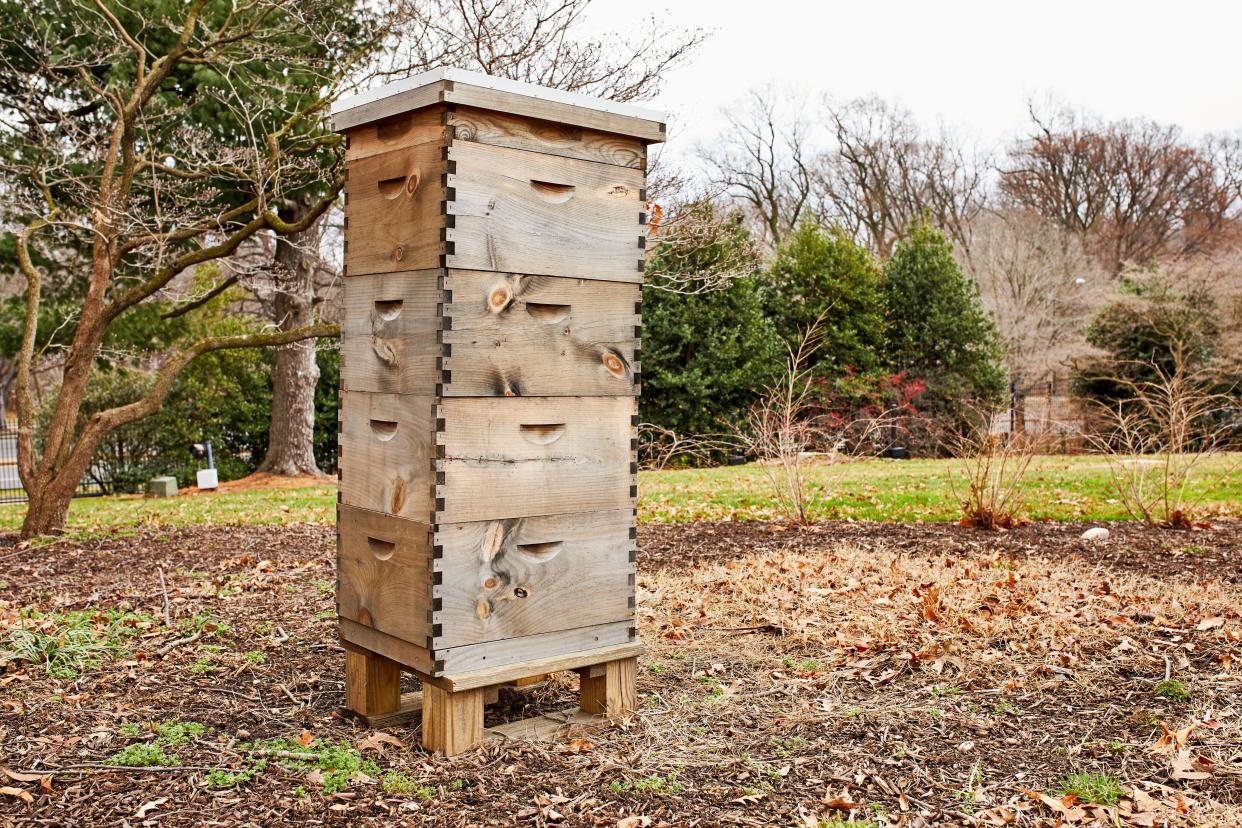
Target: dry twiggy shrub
point(784, 428)
point(992, 468)
point(660, 447)
point(1155, 440)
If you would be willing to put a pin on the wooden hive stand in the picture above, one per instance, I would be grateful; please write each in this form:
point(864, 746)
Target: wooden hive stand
point(490, 365)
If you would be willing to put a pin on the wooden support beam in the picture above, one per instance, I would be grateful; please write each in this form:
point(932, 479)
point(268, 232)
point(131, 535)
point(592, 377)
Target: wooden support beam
point(609, 689)
point(372, 683)
point(452, 720)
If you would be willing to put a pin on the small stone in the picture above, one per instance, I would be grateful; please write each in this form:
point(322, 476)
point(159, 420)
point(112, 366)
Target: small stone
point(1095, 533)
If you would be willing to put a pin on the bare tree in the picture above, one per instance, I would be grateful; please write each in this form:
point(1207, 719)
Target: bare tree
point(103, 160)
point(1039, 284)
point(882, 173)
point(762, 160)
point(537, 41)
point(1136, 191)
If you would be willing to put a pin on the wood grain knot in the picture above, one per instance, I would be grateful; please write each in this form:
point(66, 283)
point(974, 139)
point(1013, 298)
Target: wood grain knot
point(614, 364)
point(499, 298)
point(398, 253)
point(619, 191)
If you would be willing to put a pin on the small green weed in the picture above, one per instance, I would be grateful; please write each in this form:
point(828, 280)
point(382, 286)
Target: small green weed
point(206, 624)
point(655, 784)
point(1171, 689)
point(398, 784)
point(937, 691)
point(255, 657)
point(203, 666)
point(784, 748)
point(145, 755)
point(338, 761)
point(1096, 788)
point(231, 779)
point(805, 667)
point(656, 668)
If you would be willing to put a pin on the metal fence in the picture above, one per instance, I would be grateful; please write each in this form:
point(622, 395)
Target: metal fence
point(11, 490)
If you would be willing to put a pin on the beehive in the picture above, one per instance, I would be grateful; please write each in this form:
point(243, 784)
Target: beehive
point(495, 234)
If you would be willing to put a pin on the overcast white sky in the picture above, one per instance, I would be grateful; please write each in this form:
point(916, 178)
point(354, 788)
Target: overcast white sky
point(971, 64)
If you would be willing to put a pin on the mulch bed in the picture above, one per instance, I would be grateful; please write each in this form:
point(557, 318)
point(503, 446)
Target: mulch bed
point(1213, 550)
point(905, 674)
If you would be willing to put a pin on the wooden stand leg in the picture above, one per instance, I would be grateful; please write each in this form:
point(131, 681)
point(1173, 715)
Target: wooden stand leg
point(372, 683)
point(452, 721)
point(609, 688)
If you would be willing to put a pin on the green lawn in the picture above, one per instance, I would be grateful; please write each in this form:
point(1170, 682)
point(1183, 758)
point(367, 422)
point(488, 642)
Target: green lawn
point(1056, 487)
point(1061, 488)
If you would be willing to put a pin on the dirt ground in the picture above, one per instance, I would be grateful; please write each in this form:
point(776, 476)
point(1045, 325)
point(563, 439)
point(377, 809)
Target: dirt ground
point(881, 674)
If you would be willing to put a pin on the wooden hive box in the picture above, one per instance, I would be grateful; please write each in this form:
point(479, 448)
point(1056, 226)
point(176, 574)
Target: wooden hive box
point(495, 234)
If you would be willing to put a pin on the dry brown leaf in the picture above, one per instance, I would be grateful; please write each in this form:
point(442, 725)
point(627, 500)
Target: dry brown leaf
point(147, 807)
point(841, 803)
point(1173, 740)
point(1063, 807)
point(634, 822)
point(305, 738)
point(1210, 623)
point(1186, 766)
point(18, 776)
point(1000, 815)
point(23, 795)
point(579, 746)
point(376, 742)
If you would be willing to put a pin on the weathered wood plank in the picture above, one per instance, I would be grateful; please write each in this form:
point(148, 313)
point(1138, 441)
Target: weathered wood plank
point(357, 638)
point(493, 675)
point(387, 107)
point(511, 578)
point(536, 336)
point(527, 456)
point(612, 691)
point(386, 451)
point(401, 130)
point(372, 683)
point(516, 132)
point(525, 212)
point(465, 94)
point(384, 569)
point(393, 208)
point(388, 332)
point(548, 726)
point(531, 652)
point(452, 720)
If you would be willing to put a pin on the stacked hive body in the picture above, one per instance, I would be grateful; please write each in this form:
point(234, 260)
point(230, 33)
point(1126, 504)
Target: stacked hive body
point(490, 367)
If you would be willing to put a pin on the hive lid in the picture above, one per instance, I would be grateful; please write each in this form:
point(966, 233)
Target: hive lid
point(449, 85)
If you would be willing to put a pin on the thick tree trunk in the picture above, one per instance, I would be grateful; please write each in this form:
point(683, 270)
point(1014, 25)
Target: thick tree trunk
point(291, 434)
point(47, 510)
